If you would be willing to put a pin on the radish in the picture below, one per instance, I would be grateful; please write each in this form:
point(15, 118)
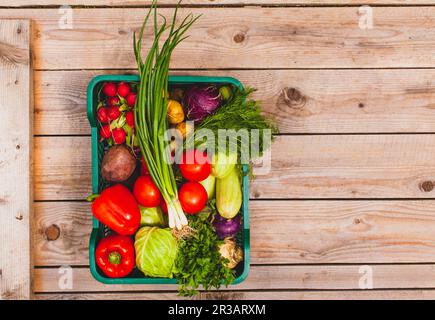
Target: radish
point(113, 101)
point(118, 135)
point(109, 89)
point(123, 89)
point(113, 112)
point(129, 118)
point(102, 115)
point(105, 131)
point(131, 99)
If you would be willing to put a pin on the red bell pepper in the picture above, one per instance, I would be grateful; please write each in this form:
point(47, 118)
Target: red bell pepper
point(117, 208)
point(115, 256)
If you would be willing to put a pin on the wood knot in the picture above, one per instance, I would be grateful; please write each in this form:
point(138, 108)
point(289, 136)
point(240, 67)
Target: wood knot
point(361, 105)
point(18, 147)
point(240, 37)
point(356, 221)
point(19, 216)
point(427, 186)
point(52, 232)
point(294, 98)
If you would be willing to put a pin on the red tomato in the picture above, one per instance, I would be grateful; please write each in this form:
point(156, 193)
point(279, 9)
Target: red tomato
point(195, 166)
point(118, 135)
point(123, 89)
point(193, 197)
point(109, 89)
point(146, 192)
point(143, 169)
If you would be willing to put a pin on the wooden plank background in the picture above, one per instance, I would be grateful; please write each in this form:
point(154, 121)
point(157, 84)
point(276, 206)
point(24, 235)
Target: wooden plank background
point(257, 37)
point(16, 153)
point(353, 176)
point(127, 3)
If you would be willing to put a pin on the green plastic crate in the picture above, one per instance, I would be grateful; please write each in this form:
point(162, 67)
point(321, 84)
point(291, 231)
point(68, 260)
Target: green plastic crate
point(99, 230)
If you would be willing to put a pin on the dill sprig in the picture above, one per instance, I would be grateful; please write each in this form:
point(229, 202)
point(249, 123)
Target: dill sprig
point(239, 112)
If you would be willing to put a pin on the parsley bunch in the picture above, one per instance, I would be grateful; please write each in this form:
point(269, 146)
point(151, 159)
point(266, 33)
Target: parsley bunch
point(199, 261)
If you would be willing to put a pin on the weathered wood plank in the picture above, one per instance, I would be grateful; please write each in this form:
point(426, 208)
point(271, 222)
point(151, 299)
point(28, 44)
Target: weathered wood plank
point(331, 166)
point(297, 232)
point(244, 38)
point(259, 295)
point(123, 3)
point(319, 277)
point(16, 151)
point(356, 101)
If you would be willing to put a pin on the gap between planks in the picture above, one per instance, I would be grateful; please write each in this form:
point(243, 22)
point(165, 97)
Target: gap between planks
point(342, 166)
point(83, 4)
point(282, 233)
point(259, 295)
point(323, 277)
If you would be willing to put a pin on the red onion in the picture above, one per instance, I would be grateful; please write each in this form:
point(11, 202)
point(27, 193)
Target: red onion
point(201, 101)
point(226, 228)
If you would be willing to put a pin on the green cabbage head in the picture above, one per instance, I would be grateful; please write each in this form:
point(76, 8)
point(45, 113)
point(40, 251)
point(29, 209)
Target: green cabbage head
point(156, 251)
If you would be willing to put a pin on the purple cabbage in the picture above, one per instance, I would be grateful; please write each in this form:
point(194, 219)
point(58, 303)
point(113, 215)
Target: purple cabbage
point(226, 228)
point(201, 101)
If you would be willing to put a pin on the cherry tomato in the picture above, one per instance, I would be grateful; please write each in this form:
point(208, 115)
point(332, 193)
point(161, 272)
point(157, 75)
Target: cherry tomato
point(123, 89)
point(118, 135)
point(195, 166)
point(102, 115)
point(109, 89)
point(131, 99)
point(146, 192)
point(193, 197)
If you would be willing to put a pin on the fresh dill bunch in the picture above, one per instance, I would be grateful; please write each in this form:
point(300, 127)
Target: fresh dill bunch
point(239, 112)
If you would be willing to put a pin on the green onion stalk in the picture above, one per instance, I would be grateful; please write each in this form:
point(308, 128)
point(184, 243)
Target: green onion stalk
point(151, 107)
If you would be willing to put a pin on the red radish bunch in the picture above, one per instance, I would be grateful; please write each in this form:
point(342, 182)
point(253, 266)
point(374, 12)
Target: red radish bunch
point(115, 113)
point(131, 99)
point(109, 89)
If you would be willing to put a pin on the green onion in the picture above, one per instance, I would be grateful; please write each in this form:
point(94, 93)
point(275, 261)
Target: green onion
point(151, 107)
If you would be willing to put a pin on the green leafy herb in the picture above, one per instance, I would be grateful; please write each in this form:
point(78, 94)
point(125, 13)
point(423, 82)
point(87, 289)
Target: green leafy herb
point(199, 261)
point(240, 112)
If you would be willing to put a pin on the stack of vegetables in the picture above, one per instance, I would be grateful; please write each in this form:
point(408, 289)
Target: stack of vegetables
point(171, 219)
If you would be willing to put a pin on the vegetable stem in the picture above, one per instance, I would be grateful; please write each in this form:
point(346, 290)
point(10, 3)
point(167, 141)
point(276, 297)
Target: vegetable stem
point(151, 106)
